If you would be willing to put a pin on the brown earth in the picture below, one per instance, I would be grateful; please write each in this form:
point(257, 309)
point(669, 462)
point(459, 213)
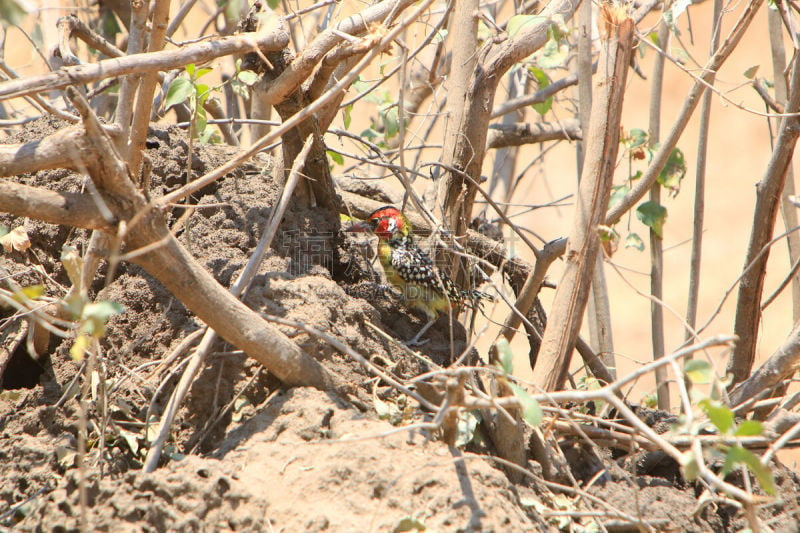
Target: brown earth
point(246, 455)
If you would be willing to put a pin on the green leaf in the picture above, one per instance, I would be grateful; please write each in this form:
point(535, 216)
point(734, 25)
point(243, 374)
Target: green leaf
point(650, 400)
point(248, 77)
point(637, 137)
point(439, 36)
point(484, 33)
point(209, 136)
point(653, 215)
point(607, 233)
point(505, 356)
point(719, 414)
point(346, 116)
point(518, 22)
point(391, 123)
point(673, 172)
point(239, 406)
point(691, 469)
point(543, 107)
point(12, 12)
point(199, 73)
point(274, 4)
point(465, 427)
point(336, 157)
point(618, 192)
point(200, 120)
point(751, 72)
point(698, 371)
point(531, 410)
point(31, 292)
point(202, 92)
point(78, 348)
point(190, 68)
point(240, 89)
point(360, 85)
point(542, 80)
point(380, 97)
point(369, 134)
point(634, 241)
point(172, 452)
point(737, 455)
point(179, 91)
point(109, 24)
point(409, 524)
point(554, 53)
point(96, 314)
point(749, 428)
point(233, 8)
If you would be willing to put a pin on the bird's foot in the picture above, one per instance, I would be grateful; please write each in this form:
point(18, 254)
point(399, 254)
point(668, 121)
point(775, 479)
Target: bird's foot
point(416, 341)
point(384, 290)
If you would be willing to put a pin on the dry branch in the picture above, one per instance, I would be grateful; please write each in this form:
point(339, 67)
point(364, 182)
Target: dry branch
point(598, 173)
point(302, 66)
point(538, 97)
point(502, 135)
point(69, 209)
point(239, 288)
point(776, 369)
point(52, 151)
point(455, 192)
point(161, 255)
point(147, 88)
point(164, 60)
point(72, 26)
point(768, 200)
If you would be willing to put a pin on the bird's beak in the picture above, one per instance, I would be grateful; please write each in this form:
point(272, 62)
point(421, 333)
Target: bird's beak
point(361, 227)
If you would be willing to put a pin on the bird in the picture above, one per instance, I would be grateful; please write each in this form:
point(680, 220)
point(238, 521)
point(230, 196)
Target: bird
point(423, 286)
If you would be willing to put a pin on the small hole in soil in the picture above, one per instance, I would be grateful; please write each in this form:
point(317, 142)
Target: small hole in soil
point(22, 372)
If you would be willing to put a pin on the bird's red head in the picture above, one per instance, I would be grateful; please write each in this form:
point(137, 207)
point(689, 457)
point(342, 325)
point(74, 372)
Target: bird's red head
point(387, 222)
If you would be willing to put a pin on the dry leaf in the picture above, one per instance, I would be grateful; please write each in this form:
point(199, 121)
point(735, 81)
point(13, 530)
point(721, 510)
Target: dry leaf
point(16, 240)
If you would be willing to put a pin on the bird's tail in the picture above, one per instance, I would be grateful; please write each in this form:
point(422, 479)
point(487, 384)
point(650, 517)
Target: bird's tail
point(473, 297)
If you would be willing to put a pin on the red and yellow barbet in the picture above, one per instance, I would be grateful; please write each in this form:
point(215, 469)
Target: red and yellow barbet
point(407, 267)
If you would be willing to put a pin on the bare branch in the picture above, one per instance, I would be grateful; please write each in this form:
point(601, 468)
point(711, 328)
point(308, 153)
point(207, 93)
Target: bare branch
point(656, 244)
point(768, 199)
point(147, 88)
point(161, 255)
point(456, 194)
point(538, 97)
point(53, 151)
point(74, 27)
point(595, 186)
point(70, 209)
point(304, 64)
point(776, 369)
point(502, 135)
point(164, 60)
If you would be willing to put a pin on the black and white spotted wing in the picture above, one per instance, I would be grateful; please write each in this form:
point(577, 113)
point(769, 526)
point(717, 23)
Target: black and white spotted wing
point(415, 266)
